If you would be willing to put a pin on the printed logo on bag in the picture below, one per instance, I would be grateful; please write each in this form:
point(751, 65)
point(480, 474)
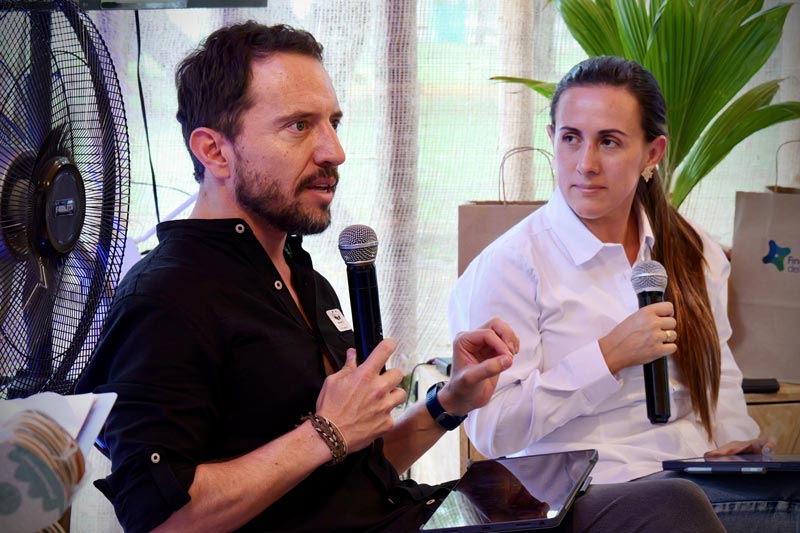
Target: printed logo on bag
point(778, 254)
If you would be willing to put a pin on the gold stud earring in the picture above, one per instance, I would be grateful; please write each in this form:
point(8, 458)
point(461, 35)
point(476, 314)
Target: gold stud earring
point(647, 174)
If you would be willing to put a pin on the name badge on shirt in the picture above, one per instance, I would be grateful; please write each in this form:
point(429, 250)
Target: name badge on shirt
point(338, 319)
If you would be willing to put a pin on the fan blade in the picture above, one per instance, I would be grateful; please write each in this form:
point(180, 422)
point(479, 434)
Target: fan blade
point(39, 82)
point(87, 290)
point(61, 109)
point(39, 287)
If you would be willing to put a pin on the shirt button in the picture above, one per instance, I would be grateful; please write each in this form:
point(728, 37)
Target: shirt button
point(278, 284)
point(155, 458)
point(240, 228)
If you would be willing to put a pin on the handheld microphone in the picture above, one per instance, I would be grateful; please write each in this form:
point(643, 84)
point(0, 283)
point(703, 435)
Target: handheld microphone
point(649, 280)
point(358, 245)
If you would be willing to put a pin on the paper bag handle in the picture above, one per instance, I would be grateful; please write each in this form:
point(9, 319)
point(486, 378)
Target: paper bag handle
point(501, 182)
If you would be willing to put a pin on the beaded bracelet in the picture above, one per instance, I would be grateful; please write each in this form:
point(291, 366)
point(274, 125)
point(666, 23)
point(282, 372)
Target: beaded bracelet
point(331, 435)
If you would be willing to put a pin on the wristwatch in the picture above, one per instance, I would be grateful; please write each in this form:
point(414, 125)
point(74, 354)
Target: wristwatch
point(442, 417)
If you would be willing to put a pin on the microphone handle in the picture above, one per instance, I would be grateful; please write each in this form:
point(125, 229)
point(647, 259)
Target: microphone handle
point(656, 375)
point(656, 388)
point(366, 309)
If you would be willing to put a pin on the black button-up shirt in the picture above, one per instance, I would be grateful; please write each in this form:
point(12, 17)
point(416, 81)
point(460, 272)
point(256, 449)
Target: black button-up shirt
point(211, 359)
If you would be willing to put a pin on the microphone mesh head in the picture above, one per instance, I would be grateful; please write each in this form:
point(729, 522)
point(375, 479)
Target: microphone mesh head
point(358, 244)
point(649, 276)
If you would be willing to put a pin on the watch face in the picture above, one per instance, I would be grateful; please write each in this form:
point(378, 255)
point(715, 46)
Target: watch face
point(448, 421)
point(435, 388)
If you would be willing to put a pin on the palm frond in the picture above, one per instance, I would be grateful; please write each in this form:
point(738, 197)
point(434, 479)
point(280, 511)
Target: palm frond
point(633, 24)
point(702, 53)
point(745, 116)
point(593, 25)
point(545, 88)
point(728, 58)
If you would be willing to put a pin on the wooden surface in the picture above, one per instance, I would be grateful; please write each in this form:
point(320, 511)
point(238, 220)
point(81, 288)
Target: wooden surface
point(789, 392)
point(777, 414)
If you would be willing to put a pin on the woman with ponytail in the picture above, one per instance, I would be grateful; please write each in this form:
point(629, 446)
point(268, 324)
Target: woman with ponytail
point(562, 279)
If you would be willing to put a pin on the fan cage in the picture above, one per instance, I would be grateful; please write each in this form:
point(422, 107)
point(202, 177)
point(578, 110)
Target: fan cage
point(59, 95)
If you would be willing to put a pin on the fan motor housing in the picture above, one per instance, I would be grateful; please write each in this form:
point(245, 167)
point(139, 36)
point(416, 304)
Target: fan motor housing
point(60, 207)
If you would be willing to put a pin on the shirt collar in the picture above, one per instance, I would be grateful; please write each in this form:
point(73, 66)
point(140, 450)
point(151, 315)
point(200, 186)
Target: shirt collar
point(580, 243)
point(205, 226)
point(232, 228)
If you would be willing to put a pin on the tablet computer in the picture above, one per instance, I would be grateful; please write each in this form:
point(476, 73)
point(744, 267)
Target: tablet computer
point(736, 464)
point(514, 493)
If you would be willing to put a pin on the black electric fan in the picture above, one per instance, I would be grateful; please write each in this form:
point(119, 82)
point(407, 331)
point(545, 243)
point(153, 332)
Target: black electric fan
point(64, 186)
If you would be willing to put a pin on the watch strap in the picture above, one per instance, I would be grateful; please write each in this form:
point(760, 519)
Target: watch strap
point(443, 418)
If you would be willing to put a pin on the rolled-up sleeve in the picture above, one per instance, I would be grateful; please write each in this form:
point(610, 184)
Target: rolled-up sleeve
point(164, 370)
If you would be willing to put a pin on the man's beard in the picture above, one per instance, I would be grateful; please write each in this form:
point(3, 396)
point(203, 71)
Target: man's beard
point(265, 199)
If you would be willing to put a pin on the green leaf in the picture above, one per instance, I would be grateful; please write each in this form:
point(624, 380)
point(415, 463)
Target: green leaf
point(545, 88)
point(742, 50)
point(678, 55)
point(634, 27)
point(702, 52)
point(746, 115)
point(593, 25)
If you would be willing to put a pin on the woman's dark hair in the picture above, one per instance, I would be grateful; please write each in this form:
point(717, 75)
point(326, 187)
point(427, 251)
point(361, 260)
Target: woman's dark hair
point(212, 81)
point(677, 245)
point(619, 72)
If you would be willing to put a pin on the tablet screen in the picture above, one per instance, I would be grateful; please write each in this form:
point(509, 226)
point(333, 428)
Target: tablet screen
point(536, 490)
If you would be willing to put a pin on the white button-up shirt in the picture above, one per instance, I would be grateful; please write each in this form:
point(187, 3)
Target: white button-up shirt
point(562, 289)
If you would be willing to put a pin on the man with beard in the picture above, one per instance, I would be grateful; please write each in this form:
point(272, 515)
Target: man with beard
point(240, 404)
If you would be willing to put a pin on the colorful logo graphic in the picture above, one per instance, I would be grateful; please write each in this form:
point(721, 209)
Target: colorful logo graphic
point(776, 255)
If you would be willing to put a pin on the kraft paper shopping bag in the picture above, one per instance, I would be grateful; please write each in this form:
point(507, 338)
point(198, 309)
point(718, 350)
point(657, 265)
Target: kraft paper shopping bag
point(764, 303)
point(480, 223)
